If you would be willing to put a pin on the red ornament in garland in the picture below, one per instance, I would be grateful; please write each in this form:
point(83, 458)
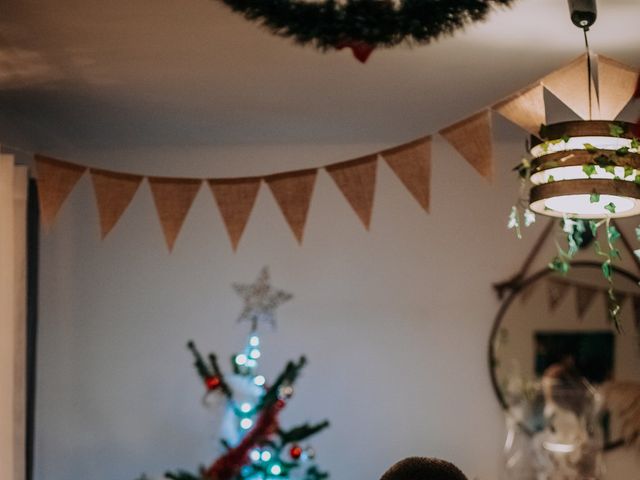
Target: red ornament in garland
point(295, 452)
point(361, 50)
point(212, 383)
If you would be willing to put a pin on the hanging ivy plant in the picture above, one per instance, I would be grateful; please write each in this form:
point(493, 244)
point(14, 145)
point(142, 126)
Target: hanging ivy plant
point(327, 24)
point(578, 232)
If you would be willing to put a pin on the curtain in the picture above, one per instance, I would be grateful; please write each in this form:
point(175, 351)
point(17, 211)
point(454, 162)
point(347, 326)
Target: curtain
point(13, 216)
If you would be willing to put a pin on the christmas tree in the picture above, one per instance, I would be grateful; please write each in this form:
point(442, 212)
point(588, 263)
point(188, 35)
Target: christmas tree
point(255, 446)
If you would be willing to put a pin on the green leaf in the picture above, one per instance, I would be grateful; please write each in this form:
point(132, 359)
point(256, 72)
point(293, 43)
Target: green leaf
point(514, 221)
point(612, 233)
point(615, 130)
point(611, 207)
point(559, 265)
point(543, 131)
point(603, 161)
point(565, 138)
point(550, 179)
point(589, 169)
point(635, 143)
point(594, 197)
point(594, 227)
point(628, 171)
point(622, 151)
point(610, 169)
point(529, 218)
point(637, 179)
point(590, 148)
point(607, 271)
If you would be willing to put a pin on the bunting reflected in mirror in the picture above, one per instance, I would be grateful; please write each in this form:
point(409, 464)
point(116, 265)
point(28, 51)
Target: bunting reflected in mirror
point(553, 330)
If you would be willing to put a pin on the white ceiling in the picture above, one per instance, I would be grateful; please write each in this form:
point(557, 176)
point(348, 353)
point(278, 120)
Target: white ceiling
point(137, 73)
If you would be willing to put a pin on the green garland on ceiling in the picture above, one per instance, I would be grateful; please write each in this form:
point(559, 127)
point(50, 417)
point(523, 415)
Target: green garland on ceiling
point(327, 24)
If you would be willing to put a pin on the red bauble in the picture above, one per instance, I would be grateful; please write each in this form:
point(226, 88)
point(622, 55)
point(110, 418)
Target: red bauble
point(212, 382)
point(361, 50)
point(295, 452)
point(280, 404)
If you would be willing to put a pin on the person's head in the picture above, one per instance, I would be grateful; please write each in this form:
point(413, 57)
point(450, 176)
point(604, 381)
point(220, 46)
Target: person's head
point(422, 468)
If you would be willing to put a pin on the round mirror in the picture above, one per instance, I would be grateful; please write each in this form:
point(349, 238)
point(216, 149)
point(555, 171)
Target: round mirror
point(554, 323)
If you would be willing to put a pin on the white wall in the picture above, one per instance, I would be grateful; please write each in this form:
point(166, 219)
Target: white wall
point(394, 321)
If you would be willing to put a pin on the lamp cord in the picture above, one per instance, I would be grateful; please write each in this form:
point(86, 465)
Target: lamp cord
point(586, 44)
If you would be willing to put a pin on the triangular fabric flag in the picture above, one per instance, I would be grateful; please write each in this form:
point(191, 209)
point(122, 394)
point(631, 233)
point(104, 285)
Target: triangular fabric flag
point(527, 292)
point(356, 179)
point(584, 298)
point(557, 291)
point(525, 108)
point(114, 192)
point(173, 198)
point(471, 137)
point(56, 179)
point(411, 163)
point(571, 85)
point(617, 82)
point(293, 191)
point(235, 198)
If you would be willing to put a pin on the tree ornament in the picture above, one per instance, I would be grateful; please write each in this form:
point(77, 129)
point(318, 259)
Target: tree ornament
point(212, 383)
point(295, 451)
point(309, 453)
point(260, 300)
point(361, 50)
point(285, 392)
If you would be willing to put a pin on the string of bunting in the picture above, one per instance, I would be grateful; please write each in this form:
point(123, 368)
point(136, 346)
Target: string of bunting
point(557, 290)
point(356, 178)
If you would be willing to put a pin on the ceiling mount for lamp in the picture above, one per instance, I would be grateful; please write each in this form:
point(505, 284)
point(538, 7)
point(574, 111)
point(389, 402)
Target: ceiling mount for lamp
point(583, 13)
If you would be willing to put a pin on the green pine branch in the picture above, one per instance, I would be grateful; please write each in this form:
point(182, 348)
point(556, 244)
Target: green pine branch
point(301, 432)
point(288, 376)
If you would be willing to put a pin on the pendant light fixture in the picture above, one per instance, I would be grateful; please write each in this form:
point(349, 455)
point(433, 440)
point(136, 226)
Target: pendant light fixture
point(587, 168)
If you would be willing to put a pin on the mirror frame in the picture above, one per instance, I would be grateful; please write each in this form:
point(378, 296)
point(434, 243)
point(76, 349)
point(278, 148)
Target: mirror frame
point(516, 288)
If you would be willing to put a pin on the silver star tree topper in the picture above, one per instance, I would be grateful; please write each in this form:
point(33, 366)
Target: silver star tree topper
point(260, 300)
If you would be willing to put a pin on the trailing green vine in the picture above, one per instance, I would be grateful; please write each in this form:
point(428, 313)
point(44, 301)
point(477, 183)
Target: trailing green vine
point(575, 231)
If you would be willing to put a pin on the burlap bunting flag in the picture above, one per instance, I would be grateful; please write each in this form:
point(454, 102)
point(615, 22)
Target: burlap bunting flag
point(585, 295)
point(356, 179)
point(293, 191)
point(617, 83)
point(571, 85)
point(471, 137)
point(411, 163)
point(557, 291)
point(527, 292)
point(114, 192)
point(173, 198)
point(526, 109)
point(56, 179)
point(235, 198)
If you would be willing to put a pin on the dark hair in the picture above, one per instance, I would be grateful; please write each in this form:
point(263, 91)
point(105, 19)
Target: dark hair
point(422, 468)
